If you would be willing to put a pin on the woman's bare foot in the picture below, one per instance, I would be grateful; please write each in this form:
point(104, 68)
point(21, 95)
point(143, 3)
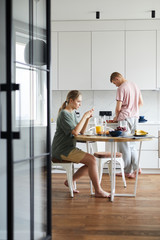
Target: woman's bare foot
point(74, 190)
point(102, 194)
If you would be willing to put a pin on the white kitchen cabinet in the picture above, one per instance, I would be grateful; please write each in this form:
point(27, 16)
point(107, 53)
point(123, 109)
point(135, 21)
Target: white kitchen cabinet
point(85, 60)
point(74, 60)
point(107, 57)
point(149, 153)
point(149, 160)
point(54, 57)
point(152, 130)
point(158, 59)
point(141, 58)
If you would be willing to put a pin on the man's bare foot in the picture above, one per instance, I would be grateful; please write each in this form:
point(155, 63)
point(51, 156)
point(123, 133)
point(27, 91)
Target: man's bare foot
point(133, 175)
point(74, 190)
point(119, 174)
point(102, 194)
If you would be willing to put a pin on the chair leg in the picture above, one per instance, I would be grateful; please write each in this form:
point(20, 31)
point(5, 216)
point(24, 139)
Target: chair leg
point(122, 171)
point(70, 180)
point(75, 185)
point(123, 176)
point(100, 169)
point(109, 169)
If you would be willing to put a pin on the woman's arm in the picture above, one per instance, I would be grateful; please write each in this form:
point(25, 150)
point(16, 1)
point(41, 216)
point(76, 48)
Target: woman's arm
point(85, 126)
point(81, 126)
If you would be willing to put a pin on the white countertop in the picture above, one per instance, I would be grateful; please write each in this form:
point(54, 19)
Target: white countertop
point(150, 123)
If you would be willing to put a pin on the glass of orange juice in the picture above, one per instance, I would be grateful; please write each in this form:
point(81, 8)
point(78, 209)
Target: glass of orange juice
point(98, 129)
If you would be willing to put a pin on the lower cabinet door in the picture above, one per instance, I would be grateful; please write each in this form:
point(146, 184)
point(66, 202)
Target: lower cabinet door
point(149, 159)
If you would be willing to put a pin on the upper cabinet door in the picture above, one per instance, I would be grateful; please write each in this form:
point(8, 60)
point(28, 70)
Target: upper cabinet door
point(141, 58)
point(158, 59)
point(107, 57)
point(74, 60)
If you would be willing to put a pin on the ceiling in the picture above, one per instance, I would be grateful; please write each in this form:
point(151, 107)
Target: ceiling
point(109, 9)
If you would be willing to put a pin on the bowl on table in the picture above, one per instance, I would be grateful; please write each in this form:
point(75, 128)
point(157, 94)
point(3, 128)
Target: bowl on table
point(115, 133)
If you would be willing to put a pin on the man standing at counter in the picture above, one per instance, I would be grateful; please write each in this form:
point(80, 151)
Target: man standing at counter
point(129, 99)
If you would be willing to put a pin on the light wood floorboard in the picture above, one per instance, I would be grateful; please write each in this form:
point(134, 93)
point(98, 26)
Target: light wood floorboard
point(88, 218)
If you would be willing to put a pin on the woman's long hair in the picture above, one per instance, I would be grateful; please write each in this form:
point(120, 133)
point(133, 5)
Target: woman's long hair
point(71, 95)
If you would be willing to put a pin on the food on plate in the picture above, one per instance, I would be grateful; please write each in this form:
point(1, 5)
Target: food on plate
point(100, 132)
point(111, 121)
point(103, 133)
point(140, 132)
point(123, 129)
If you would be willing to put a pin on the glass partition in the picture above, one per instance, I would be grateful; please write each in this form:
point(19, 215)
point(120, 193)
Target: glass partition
point(3, 126)
point(25, 167)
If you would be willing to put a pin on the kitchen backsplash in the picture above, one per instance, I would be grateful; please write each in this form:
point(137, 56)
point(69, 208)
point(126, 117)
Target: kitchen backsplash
point(105, 101)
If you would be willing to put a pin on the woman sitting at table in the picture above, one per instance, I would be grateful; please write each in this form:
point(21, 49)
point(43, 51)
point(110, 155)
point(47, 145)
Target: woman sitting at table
point(64, 143)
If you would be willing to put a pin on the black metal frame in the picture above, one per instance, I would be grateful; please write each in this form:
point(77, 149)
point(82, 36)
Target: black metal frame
point(49, 196)
point(10, 135)
point(9, 123)
point(31, 161)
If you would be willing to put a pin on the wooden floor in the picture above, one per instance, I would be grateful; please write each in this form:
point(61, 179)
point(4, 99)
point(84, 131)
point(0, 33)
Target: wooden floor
point(88, 218)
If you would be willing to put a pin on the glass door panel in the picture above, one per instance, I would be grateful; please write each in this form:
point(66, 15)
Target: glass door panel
point(40, 199)
point(30, 114)
point(22, 200)
point(39, 34)
point(22, 77)
point(3, 167)
point(3, 126)
point(21, 121)
point(40, 123)
point(3, 190)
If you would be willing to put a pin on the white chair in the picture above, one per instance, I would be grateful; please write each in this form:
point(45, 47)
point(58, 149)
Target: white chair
point(105, 157)
point(69, 168)
point(89, 149)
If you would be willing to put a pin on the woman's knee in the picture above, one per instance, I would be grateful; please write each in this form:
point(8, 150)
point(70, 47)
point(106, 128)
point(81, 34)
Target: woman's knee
point(89, 159)
point(92, 159)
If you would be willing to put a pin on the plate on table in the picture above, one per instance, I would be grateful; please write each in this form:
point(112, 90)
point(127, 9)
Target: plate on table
point(88, 134)
point(140, 133)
